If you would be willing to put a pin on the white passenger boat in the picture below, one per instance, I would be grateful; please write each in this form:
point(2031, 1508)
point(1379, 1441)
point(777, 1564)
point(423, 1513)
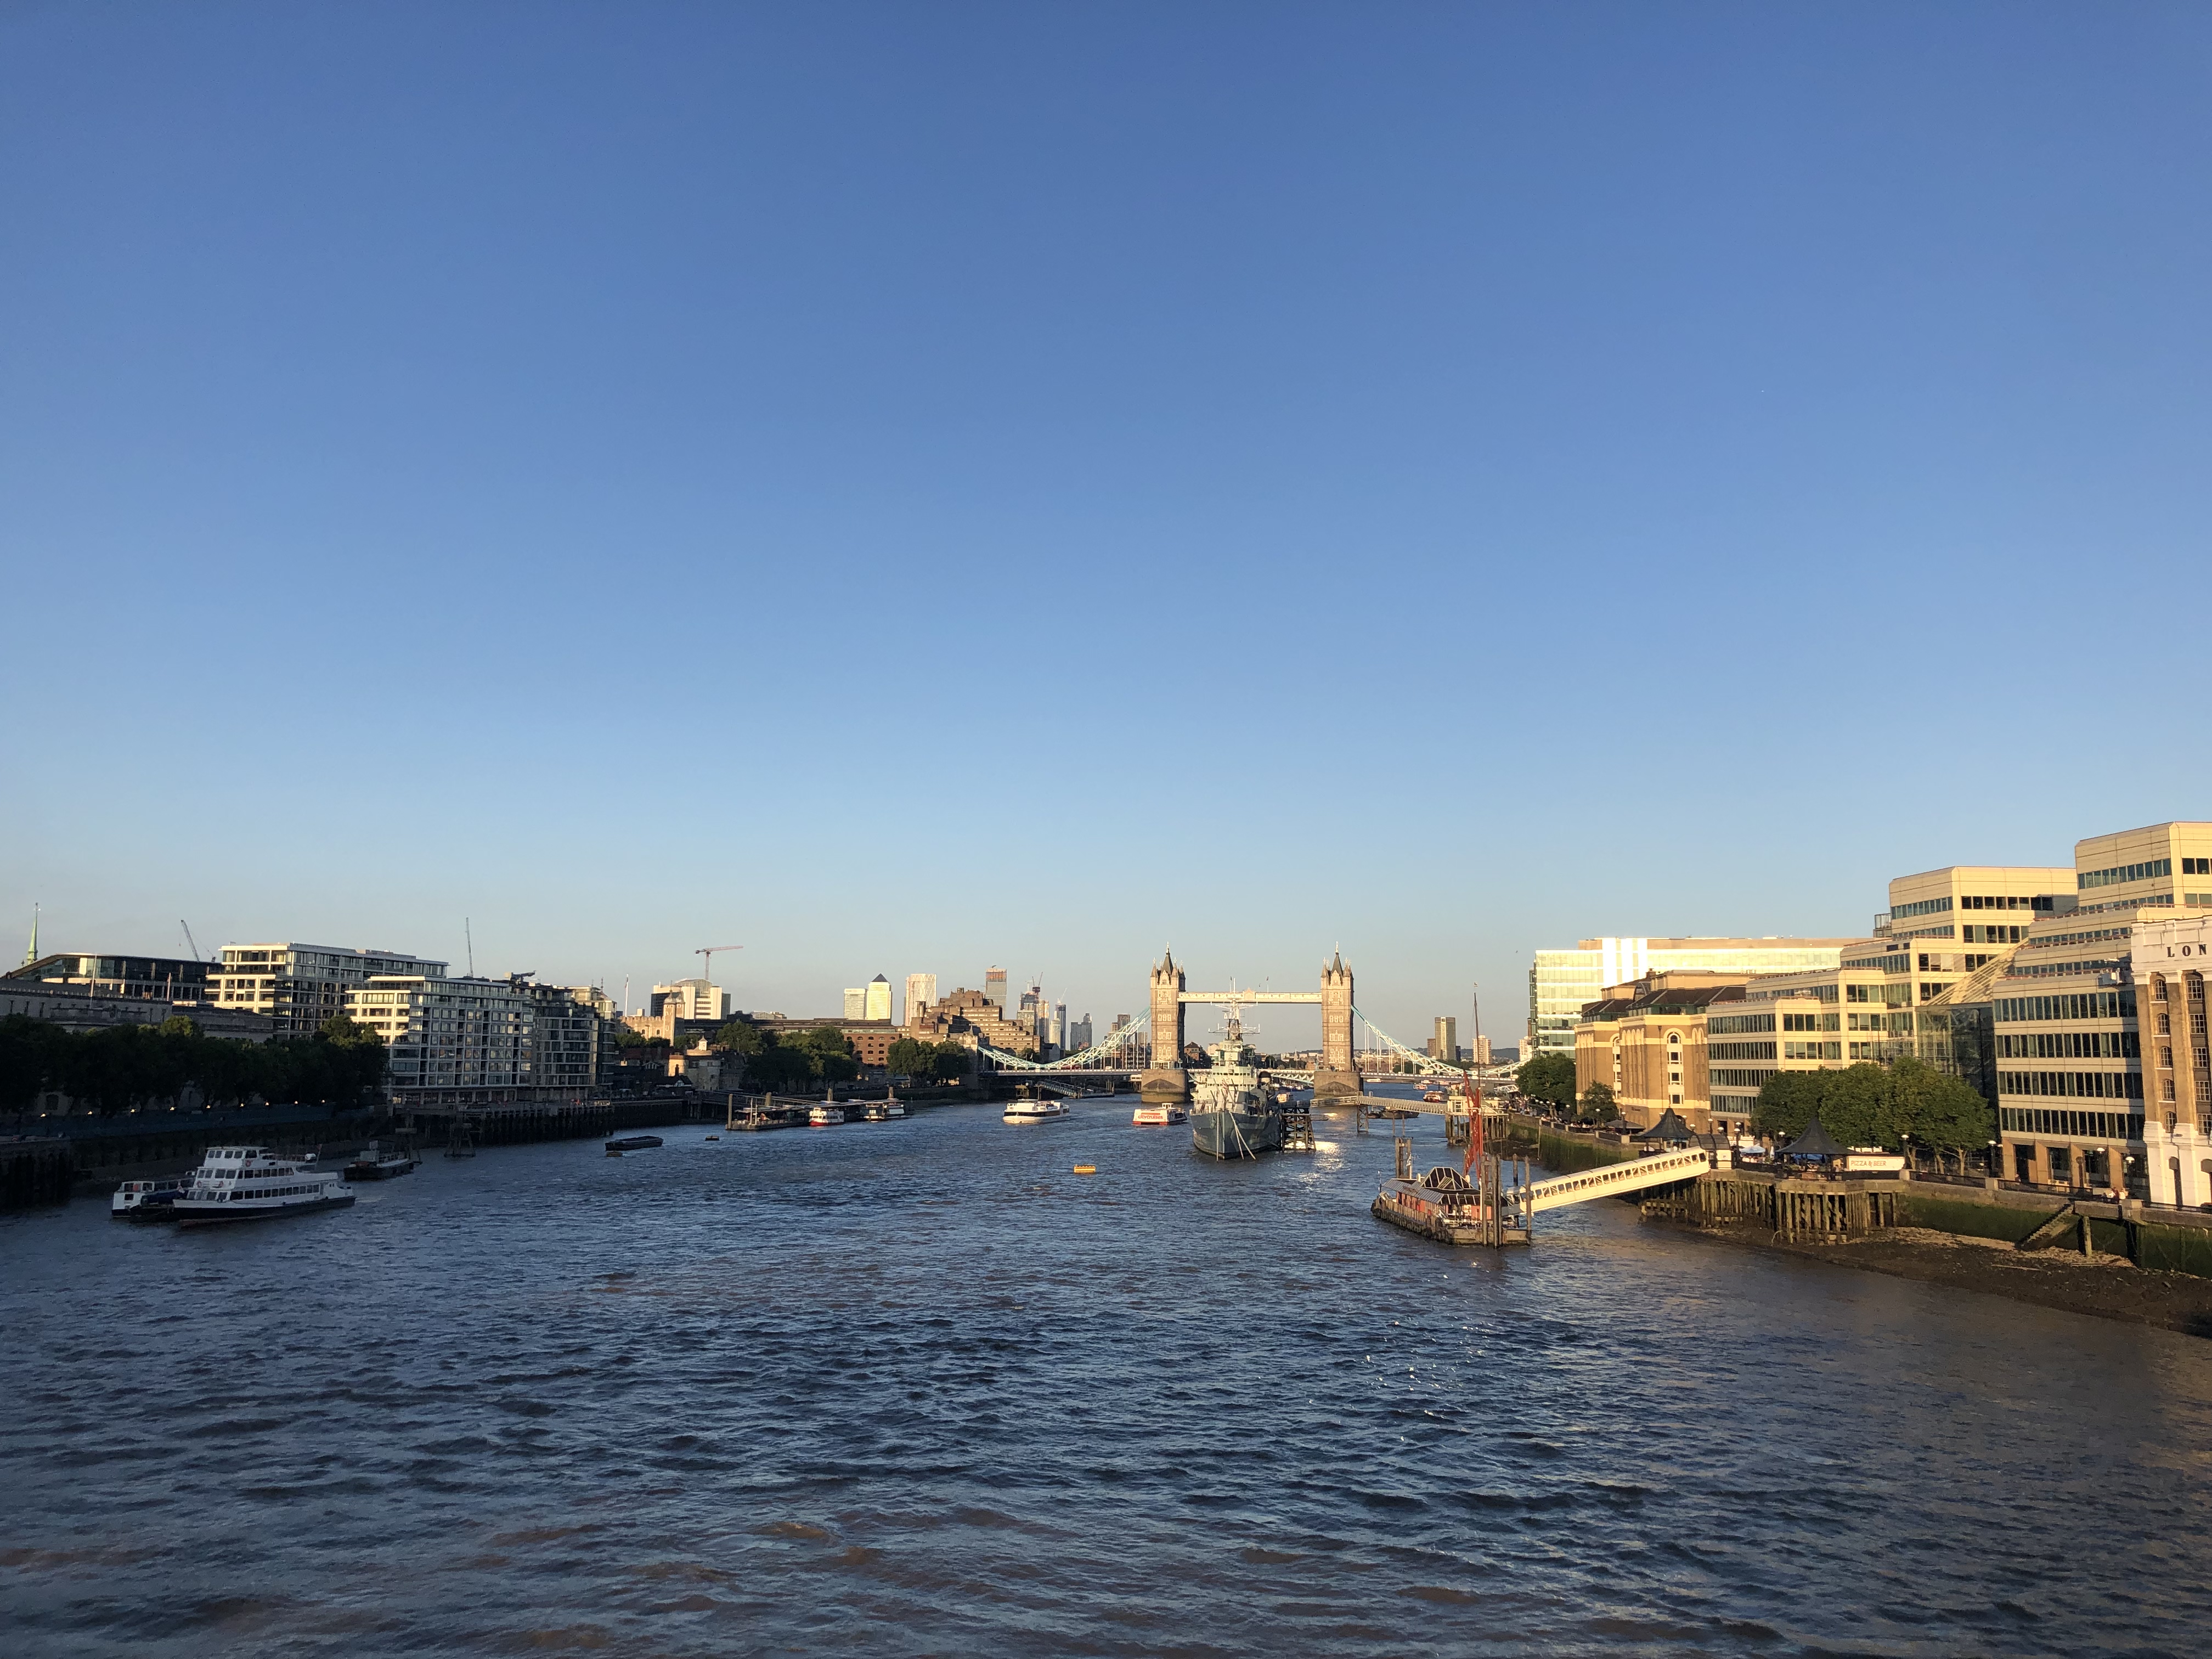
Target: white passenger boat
point(1155, 1116)
point(826, 1114)
point(882, 1111)
point(1027, 1110)
point(147, 1201)
point(253, 1183)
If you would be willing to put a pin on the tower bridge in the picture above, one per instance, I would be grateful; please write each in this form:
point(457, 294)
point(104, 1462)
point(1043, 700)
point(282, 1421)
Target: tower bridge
point(1151, 1047)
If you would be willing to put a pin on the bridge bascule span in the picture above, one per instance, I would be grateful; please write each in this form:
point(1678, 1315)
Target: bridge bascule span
point(1151, 1045)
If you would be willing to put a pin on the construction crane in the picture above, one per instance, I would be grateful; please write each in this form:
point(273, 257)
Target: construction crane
point(190, 941)
point(708, 951)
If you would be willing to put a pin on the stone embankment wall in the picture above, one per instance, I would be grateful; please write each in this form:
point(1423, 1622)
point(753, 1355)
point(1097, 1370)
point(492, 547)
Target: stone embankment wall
point(2172, 1241)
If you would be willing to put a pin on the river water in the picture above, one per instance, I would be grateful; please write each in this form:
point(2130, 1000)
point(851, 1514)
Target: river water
point(916, 1388)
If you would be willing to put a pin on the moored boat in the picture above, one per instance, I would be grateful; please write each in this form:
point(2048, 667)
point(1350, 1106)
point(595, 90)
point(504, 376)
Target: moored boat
point(632, 1143)
point(379, 1164)
point(147, 1201)
point(1230, 1114)
point(253, 1183)
point(826, 1114)
point(1445, 1206)
point(1154, 1116)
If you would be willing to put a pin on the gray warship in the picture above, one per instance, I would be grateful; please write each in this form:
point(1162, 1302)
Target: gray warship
point(1230, 1114)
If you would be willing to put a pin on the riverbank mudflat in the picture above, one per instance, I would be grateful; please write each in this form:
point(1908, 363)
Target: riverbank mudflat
point(2104, 1286)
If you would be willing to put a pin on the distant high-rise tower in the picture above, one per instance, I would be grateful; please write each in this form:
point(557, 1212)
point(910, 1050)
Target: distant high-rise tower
point(921, 991)
point(879, 999)
point(856, 1002)
point(1444, 1045)
point(994, 988)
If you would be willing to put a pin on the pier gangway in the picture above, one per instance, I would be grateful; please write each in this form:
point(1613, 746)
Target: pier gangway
point(1618, 1179)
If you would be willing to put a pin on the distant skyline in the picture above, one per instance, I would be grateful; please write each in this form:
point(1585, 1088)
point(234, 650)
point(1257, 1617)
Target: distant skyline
point(909, 488)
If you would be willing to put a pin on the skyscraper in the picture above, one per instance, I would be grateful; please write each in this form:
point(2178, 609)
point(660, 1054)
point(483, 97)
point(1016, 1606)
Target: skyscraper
point(995, 988)
point(921, 991)
point(879, 999)
point(856, 1002)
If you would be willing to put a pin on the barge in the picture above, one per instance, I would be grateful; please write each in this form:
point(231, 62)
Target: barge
point(1445, 1206)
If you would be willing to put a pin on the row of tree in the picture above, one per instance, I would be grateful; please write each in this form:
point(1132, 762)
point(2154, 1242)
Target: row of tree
point(1871, 1105)
point(1861, 1105)
point(122, 1067)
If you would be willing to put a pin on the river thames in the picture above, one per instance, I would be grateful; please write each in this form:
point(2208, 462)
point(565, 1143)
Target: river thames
point(916, 1388)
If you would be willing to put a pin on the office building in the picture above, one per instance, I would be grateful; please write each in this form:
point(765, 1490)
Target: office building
point(1482, 1052)
point(1647, 1041)
point(299, 985)
point(691, 999)
point(1443, 1041)
point(856, 1002)
point(1560, 983)
point(1078, 1034)
point(1058, 1036)
point(921, 991)
point(971, 1017)
point(2103, 1073)
point(879, 999)
point(995, 988)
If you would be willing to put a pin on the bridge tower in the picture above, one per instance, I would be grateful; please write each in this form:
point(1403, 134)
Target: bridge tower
point(1338, 1071)
point(1166, 1079)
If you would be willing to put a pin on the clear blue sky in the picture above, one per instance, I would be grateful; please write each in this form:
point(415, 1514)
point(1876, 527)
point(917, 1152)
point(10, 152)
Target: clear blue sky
point(917, 486)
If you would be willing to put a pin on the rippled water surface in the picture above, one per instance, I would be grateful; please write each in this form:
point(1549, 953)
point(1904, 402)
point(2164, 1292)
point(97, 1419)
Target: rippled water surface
point(916, 1388)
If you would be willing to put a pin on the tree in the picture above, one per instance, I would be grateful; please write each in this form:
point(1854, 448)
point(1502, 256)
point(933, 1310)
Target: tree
point(1872, 1105)
point(1549, 1079)
point(908, 1058)
point(741, 1036)
point(950, 1063)
point(1597, 1103)
point(344, 1030)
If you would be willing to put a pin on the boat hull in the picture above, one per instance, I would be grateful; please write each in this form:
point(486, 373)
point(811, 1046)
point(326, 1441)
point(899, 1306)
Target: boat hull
point(1236, 1134)
point(199, 1213)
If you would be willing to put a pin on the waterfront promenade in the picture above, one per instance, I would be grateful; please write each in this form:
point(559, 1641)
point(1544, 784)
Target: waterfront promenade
point(916, 1387)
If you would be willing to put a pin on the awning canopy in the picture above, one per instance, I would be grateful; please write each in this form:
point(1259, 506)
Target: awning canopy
point(1816, 1142)
point(1669, 1128)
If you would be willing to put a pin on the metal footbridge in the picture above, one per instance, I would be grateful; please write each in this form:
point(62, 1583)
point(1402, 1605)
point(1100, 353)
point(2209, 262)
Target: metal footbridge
point(1617, 1180)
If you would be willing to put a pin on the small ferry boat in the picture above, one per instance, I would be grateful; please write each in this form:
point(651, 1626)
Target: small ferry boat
point(147, 1201)
point(1154, 1116)
point(632, 1143)
point(826, 1114)
point(1432, 1097)
point(1034, 1109)
point(379, 1164)
point(253, 1183)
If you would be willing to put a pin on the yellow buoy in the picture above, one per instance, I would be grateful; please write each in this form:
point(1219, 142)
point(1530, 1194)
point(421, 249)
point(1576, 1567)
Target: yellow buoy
point(1086, 1168)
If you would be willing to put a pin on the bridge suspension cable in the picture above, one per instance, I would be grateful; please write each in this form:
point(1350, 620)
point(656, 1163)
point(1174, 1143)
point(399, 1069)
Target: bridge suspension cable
point(1084, 1058)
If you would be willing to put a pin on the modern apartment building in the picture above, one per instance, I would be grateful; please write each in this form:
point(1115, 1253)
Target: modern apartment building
point(1561, 981)
point(169, 979)
point(301, 986)
point(1444, 1041)
point(454, 1041)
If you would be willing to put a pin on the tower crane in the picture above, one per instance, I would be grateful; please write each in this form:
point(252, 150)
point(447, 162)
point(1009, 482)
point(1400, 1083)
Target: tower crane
point(708, 951)
point(190, 941)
